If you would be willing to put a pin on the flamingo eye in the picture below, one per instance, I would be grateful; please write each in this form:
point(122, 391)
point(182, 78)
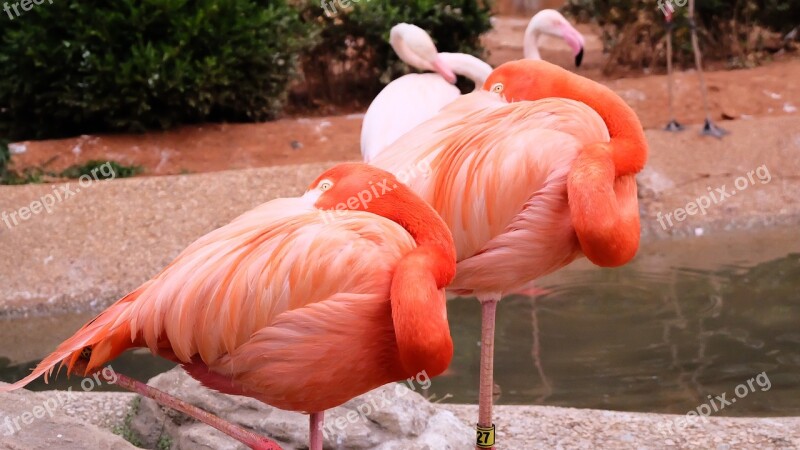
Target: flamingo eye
point(324, 185)
point(497, 88)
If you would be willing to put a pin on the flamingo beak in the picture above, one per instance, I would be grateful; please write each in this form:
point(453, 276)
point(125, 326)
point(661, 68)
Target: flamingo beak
point(444, 70)
point(579, 58)
point(575, 41)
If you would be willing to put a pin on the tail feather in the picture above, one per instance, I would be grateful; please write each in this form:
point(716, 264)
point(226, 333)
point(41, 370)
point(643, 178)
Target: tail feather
point(101, 336)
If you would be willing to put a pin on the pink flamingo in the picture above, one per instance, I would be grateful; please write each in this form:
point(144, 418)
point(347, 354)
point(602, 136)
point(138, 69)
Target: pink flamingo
point(299, 308)
point(527, 187)
point(552, 23)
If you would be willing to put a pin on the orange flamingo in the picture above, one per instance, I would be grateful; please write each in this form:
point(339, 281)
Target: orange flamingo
point(527, 187)
point(298, 308)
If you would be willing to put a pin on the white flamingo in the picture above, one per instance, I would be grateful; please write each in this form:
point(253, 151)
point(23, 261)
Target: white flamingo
point(414, 98)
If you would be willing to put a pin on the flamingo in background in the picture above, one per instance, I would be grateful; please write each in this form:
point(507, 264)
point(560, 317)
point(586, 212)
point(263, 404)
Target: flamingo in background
point(709, 127)
point(412, 99)
point(299, 308)
point(527, 187)
point(551, 22)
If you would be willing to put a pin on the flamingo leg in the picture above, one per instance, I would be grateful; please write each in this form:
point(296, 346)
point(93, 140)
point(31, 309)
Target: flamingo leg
point(247, 437)
point(485, 431)
point(315, 421)
point(673, 124)
point(709, 127)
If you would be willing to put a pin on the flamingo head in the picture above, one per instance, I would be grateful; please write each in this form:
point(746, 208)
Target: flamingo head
point(361, 187)
point(527, 79)
point(416, 48)
point(551, 22)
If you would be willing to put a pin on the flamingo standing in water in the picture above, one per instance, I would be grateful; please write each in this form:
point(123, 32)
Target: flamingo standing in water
point(412, 99)
point(299, 308)
point(527, 187)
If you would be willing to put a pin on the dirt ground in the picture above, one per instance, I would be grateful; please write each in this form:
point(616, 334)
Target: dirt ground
point(770, 90)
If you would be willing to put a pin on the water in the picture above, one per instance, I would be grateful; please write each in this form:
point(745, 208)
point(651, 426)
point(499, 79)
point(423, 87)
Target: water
point(686, 320)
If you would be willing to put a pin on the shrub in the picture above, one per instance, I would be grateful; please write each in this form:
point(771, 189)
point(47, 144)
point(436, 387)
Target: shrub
point(353, 60)
point(68, 68)
point(93, 169)
point(737, 32)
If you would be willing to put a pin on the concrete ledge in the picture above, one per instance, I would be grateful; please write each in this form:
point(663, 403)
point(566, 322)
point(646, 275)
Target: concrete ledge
point(547, 427)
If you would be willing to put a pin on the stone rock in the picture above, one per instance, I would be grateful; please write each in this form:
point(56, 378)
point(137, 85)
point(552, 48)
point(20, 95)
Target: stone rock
point(34, 420)
point(392, 417)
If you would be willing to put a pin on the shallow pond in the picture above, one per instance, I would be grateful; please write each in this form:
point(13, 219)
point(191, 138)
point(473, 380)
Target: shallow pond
point(686, 320)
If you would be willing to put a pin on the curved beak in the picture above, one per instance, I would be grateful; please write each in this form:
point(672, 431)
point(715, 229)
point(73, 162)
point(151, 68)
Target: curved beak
point(444, 70)
point(575, 41)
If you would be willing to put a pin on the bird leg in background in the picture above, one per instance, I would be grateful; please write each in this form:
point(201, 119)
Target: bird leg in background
point(241, 434)
point(485, 430)
point(673, 124)
point(709, 128)
point(315, 421)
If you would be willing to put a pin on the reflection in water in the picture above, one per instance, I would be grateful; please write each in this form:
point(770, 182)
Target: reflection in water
point(628, 339)
point(645, 337)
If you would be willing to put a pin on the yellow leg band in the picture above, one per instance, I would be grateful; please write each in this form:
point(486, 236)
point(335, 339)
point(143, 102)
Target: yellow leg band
point(485, 437)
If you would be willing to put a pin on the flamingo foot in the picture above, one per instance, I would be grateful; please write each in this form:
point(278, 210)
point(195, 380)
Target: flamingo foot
point(674, 126)
point(711, 129)
point(246, 437)
point(315, 421)
point(485, 429)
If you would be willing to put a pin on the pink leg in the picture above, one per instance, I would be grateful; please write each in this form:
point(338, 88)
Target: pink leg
point(485, 426)
point(315, 421)
point(242, 435)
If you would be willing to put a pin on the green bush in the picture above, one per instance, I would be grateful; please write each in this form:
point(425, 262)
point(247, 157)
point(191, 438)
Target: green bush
point(737, 32)
point(353, 60)
point(75, 67)
point(70, 68)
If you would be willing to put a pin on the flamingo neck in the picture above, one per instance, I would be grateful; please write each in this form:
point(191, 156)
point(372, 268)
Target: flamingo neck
point(398, 41)
point(433, 238)
point(467, 66)
point(419, 311)
point(530, 41)
point(624, 127)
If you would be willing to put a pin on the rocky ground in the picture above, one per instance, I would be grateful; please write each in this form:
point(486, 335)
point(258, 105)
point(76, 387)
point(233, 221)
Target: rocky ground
point(390, 418)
